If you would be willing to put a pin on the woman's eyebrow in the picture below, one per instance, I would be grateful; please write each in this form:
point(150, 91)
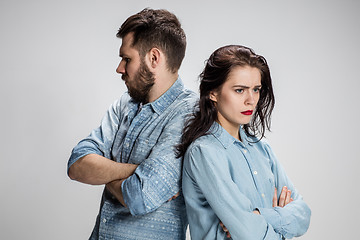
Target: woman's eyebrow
point(243, 86)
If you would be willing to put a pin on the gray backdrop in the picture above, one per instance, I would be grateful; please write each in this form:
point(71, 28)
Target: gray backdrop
point(58, 61)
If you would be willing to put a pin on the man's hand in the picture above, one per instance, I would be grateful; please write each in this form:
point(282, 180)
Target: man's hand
point(175, 196)
point(114, 188)
point(285, 197)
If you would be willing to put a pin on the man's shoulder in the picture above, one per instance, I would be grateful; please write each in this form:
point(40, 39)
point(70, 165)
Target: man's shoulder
point(187, 99)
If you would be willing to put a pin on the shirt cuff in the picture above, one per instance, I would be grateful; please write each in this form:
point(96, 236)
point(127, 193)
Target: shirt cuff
point(133, 196)
point(79, 153)
point(272, 217)
point(279, 219)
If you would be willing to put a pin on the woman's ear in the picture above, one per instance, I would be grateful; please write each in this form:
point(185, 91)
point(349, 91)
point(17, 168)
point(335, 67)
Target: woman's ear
point(213, 96)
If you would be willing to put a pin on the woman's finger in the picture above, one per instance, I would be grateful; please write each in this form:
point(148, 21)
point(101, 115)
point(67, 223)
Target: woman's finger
point(228, 235)
point(288, 197)
point(275, 199)
point(282, 197)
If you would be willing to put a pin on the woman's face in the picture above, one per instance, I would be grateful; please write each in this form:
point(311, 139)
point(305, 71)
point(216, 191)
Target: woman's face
point(237, 98)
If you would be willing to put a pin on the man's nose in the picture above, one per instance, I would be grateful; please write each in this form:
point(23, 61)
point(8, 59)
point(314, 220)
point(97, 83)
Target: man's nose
point(121, 68)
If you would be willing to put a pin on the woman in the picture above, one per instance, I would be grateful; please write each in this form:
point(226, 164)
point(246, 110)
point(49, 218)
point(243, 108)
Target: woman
point(232, 182)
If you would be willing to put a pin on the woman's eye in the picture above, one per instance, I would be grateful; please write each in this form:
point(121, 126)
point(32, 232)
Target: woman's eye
point(239, 90)
point(257, 89)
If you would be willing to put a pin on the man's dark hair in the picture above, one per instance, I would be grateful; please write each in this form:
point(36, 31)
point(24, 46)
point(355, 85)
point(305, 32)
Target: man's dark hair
point(156, 28)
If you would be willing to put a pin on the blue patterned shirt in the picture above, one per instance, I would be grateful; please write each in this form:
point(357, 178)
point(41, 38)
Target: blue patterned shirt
point(144, 135)
point(226, 180)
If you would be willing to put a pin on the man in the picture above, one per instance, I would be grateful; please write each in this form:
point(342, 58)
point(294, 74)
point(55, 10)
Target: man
point(132, 152)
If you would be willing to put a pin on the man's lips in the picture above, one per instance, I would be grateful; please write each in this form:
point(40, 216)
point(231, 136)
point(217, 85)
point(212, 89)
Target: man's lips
point(248, 112)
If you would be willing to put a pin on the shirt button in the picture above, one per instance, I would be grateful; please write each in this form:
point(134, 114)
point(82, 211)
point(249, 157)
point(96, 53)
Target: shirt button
point(104, 220)
point(263, 195)
point(255, 172)
point(245, 151)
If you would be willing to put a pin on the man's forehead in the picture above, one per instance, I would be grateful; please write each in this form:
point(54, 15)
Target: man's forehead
point(126, 44)
point(128, 39)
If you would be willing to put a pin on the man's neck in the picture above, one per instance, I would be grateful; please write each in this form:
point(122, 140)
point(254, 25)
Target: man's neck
point(162, 84)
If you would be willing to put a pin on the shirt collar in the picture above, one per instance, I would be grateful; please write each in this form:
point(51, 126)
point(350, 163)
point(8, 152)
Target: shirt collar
point(246, 140)
point(160, 104)
point(226, 139)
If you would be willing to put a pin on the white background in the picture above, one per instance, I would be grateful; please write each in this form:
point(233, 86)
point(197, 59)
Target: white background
point(58, 60)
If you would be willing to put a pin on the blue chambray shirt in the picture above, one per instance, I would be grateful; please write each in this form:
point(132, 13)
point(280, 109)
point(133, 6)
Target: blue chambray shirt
point(225, 180)
point(145, 135)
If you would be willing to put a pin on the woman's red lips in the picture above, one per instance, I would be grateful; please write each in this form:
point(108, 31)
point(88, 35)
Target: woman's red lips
point(249, 112)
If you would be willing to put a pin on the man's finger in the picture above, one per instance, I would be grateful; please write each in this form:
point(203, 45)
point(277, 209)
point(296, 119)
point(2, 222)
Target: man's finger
point(175, 196)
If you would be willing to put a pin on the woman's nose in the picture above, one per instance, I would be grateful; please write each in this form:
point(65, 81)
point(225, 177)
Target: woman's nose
point(250, 100)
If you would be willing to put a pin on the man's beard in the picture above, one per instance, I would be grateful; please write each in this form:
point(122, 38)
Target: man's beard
point(140, 86)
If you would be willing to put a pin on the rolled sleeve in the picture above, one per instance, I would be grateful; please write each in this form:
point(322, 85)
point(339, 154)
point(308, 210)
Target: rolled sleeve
point(133, 198)
point(83, 148)
point(100, 139)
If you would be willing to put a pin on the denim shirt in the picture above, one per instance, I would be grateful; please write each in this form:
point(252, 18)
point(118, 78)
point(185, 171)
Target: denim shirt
point(226, 180)
point(146, 135)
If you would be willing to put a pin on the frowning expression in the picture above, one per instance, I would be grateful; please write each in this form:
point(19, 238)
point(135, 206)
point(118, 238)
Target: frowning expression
point(237, 98)
point(134, 71)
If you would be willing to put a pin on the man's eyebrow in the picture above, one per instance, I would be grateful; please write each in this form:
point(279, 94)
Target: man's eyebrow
point(121, 54)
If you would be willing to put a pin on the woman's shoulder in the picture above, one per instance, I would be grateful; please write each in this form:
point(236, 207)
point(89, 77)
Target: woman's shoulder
point(206, 145)
point(205, 141)
point(205, 152)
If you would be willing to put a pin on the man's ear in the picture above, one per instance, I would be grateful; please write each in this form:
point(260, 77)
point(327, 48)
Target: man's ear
point(154, 56)
point(213, 96)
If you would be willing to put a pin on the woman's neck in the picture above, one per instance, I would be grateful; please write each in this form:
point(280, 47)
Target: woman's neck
point(233, 130)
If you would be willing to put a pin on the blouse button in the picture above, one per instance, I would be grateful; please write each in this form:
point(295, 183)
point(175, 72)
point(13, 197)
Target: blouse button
point(255, 172)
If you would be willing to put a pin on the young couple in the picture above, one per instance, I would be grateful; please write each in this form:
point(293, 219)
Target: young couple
point(159, 148)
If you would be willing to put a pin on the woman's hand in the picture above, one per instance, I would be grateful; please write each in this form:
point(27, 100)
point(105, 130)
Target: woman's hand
point(225, 230)
point(285, 197)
